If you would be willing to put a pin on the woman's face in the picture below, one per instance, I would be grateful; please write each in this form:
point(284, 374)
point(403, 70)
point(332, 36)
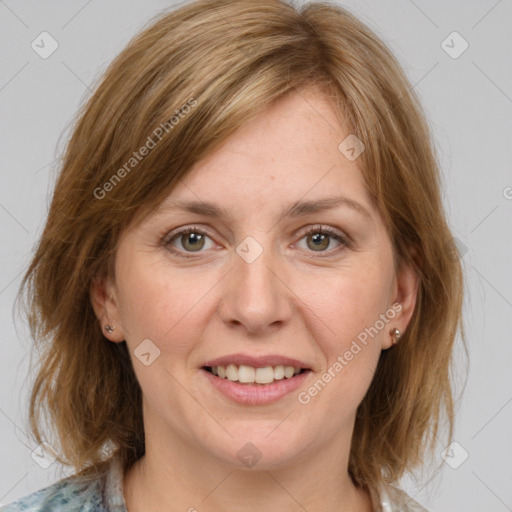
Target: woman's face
point(253, 282)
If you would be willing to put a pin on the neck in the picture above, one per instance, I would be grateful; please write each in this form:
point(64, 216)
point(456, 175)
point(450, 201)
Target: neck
point(182, 479)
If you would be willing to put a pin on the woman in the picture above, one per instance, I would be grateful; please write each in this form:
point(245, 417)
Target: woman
point(245, 292)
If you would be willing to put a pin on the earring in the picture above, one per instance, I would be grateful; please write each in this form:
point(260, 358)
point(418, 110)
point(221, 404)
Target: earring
point(395, 335)
point(109, 328)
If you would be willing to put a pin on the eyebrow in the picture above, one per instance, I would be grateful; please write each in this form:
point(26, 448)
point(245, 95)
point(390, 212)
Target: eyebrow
point(296, 209)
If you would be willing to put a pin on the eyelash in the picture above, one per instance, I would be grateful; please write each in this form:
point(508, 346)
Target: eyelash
point(318, 229)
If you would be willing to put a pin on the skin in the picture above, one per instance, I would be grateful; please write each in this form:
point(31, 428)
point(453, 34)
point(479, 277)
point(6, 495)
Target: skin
point(289, 301)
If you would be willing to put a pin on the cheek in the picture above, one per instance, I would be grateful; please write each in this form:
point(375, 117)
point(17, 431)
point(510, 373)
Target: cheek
point(146, 301)
point(354, 303)
point(350, 345)
point(349, 331)
point(159, 304)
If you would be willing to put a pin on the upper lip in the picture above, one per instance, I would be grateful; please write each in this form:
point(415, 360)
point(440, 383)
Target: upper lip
point(257, 361)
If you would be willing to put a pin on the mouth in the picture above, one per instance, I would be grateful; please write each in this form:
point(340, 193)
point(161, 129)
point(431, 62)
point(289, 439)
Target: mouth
point(248, 375)
point(247, 385)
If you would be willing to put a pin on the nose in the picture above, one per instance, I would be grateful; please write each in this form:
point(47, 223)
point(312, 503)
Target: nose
point(256, 296)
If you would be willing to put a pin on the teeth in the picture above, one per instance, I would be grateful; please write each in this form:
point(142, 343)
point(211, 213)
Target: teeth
point(263, 375)
point(279, 372)
point(249, 375)
point(231, 372)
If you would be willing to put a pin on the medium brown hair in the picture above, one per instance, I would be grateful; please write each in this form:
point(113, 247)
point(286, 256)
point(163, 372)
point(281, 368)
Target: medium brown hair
point(229, 61)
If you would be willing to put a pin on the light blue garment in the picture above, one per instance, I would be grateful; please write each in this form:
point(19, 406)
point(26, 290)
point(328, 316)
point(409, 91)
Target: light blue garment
point(105, 494)
point(81, 494)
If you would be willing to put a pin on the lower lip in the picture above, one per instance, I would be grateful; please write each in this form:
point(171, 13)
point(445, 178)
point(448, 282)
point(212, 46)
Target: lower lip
point(256, 394)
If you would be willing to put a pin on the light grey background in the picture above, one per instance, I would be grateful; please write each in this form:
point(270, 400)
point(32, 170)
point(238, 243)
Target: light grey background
point(468, 101)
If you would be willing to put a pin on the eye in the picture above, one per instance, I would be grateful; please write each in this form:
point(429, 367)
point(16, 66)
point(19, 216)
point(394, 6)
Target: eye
point(191, 239)
point(318, 239)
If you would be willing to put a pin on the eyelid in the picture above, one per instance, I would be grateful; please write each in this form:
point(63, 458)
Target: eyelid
point(344, 239)
point(325, 229)
point(181, 230)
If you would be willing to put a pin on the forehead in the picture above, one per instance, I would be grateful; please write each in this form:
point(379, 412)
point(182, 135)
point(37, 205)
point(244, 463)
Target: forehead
point(287, 153)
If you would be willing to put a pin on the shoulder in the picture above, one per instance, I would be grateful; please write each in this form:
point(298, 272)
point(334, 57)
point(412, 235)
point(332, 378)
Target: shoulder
point(69, 494)
point(393, 499)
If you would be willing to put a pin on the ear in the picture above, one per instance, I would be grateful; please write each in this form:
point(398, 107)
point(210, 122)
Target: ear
point(102, 293)
point(404, 293)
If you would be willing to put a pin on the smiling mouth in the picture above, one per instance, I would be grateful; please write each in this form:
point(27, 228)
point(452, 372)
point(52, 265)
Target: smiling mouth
point(256, 376)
